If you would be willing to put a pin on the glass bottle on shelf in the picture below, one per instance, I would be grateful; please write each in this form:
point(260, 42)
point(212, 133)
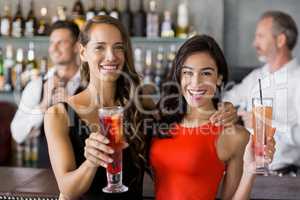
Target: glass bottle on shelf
point(18, 22)
point(148, 71)
point(43, 67)
point(31, 22)
point(139, 21)
point(159, 67)
point(126, 18)
point(167, 25)
point(1, 70)
point(27, 153)
point(170, 57)
point(61, 11)
point(182, 20)
point(115, 10)
point(19, 67)
point(5, 23)
point(8, 66)
point(60, 14)
point(91, 11)
point(43, 26)
point(103, 10)
point(138, 61)
point(78, 14)
point(152, 20)
point(32, 71)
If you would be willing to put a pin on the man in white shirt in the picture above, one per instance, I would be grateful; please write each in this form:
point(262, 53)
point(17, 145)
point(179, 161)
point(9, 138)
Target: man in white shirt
point(275, 38)
point(60, 81)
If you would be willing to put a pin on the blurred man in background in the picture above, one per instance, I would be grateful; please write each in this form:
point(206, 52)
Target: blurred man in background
point(62, 79)
point(275, 38)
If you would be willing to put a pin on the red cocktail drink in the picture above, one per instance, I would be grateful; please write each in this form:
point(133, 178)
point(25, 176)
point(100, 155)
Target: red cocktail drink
point(111, 123)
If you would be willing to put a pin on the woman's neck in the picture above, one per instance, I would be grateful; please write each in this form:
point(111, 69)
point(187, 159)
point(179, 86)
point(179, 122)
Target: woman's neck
point(199, 115)
point(103, 93)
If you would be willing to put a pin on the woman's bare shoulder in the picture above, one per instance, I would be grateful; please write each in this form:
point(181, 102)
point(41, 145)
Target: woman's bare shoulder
point(56, 117)
point(237, 137)
point(57, 110)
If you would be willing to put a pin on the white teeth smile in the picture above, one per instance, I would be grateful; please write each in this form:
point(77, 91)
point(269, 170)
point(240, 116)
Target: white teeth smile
point(109, 67)
point(197, 92)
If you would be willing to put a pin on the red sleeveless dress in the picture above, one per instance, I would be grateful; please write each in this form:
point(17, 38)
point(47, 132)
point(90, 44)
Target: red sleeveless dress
point(186, 166)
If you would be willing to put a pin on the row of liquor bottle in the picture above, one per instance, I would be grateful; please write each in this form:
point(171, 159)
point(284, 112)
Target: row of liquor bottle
point(140, 23)
point(154, 65)
point(26, 154)
point(16, 71)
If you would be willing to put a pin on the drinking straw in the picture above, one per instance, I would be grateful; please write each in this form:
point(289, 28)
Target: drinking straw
point(260, 91)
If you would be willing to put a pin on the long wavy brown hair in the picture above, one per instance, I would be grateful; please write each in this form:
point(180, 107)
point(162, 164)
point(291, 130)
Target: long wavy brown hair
point(132, 117)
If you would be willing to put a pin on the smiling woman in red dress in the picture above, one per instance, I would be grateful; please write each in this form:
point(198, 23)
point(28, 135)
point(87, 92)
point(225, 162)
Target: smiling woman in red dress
point(192, 156)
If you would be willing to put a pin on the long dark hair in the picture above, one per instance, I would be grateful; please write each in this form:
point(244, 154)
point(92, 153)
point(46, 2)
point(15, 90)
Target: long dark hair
point(172, 98)
point(125, 88)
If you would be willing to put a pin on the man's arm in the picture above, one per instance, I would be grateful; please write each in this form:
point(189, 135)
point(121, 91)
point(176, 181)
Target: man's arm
point(291, 132)
point(29, 116)
point(239, 94)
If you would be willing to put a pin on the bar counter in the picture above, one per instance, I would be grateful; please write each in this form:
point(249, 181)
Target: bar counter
point(40, 184)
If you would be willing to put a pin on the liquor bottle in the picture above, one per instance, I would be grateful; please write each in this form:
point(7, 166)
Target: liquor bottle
point(159, 67)
point(43, 26)
point(167, 25)
point(20, 154)
point(8, 65)
point(148, 70)
point(34, 157)
point(19, 67)
point(103, 10)
point(43, 67)
point(27, 153)
point(78, 14)
point(60, 14)
point(31, 22)
point(1, 70)
point(139, 21)
point(126, 18)
point(182, 20)
point(152, 20)
point(115, 10)
point(138, 61)
point(18, 22)
point(5, 23)
point(91, 11)
point(170, 58)
point(31, 65)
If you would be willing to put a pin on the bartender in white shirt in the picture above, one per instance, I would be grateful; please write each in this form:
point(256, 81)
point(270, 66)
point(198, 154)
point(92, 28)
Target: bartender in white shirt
point(62, 79)
point(275, 38)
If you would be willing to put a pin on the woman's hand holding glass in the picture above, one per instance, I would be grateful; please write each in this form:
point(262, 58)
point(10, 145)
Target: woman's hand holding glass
point(269, 149)
point(97, 151)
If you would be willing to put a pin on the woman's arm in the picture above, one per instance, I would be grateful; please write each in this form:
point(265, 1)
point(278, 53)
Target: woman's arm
point(236, 138)
point(72, 181)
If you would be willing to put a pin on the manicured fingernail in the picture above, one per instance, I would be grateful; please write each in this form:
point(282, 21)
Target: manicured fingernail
point(110, 160)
